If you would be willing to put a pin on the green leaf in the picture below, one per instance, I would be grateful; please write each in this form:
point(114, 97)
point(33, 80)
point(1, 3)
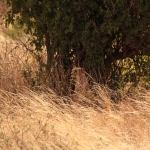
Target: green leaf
point(30, 3)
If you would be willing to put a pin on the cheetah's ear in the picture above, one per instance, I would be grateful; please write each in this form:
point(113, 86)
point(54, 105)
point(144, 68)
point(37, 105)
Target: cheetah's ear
point(74, 72)
point(82, 69)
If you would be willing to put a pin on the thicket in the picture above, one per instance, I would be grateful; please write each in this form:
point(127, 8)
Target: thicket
point(110, 39)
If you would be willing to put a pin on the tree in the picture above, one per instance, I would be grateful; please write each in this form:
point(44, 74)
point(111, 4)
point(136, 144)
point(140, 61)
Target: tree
point(90, 34)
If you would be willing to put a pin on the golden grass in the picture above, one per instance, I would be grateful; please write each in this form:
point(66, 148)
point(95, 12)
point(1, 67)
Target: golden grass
point(41, 120)
point(14, 61)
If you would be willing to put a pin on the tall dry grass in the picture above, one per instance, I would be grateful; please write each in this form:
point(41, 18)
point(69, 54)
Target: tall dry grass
point(42, 120)
point(18, 65)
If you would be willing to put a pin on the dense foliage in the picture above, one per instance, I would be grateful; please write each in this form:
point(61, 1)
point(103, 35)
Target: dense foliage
point(93, 34)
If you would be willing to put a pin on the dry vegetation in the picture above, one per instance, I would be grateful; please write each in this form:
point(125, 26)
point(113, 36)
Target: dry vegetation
point(41, 120)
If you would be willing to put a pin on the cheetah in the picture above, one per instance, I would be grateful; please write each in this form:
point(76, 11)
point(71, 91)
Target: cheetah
point(79, 79)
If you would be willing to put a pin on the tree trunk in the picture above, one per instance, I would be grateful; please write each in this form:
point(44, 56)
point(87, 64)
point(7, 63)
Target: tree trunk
point(48, 48)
